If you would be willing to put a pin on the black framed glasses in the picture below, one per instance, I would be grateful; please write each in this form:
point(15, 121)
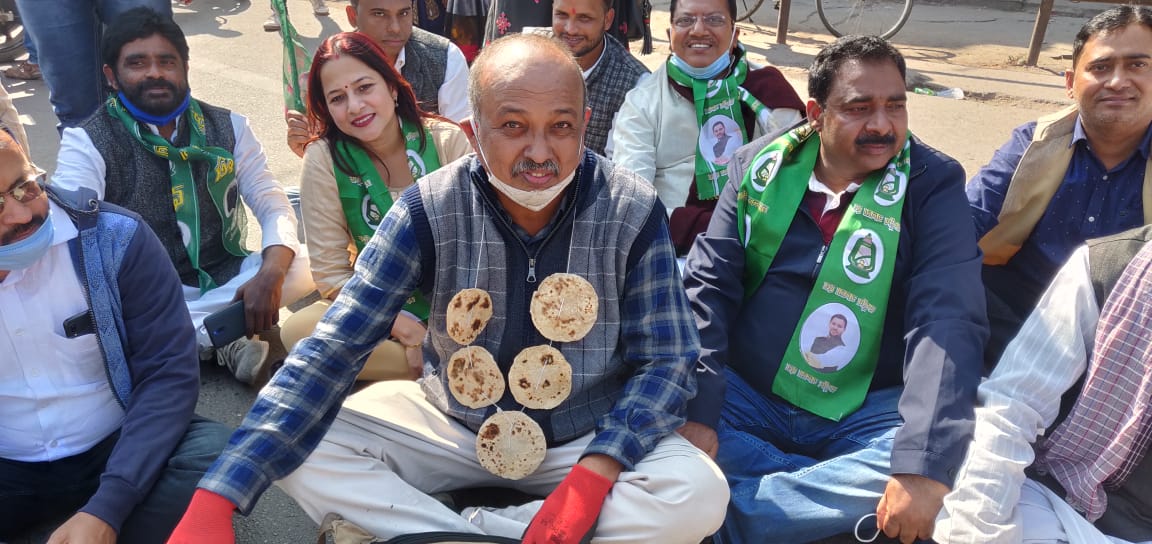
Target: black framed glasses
point(24, 191)
point(715, 20)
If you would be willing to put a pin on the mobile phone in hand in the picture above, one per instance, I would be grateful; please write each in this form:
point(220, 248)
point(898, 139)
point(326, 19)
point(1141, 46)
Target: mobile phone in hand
point(226, 325)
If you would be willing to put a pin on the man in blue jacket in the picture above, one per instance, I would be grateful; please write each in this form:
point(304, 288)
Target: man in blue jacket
point(99, 375)
point(847, 215)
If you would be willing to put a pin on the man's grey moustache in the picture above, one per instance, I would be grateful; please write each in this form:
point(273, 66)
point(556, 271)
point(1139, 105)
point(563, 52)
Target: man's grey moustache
point(528, 166)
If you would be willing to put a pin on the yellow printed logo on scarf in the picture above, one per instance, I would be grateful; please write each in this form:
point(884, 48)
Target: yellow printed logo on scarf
point(177, 196)
point(198, 118)
point(224, 167)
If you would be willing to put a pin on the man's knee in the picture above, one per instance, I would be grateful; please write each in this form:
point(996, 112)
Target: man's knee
point(690, 492)
point(201, 445)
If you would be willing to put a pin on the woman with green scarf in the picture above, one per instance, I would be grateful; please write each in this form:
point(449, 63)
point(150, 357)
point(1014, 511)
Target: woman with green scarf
point(374, 142)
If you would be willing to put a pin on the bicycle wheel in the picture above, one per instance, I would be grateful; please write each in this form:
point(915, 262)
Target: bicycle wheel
point(882, 18)
point(745, 8)
point(11, 32)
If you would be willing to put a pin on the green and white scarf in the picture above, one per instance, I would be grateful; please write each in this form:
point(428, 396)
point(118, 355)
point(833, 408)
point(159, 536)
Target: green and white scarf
point(853, 283)
point(365, 197)
point(718, 101)
point(297, 61)
point(221, 182)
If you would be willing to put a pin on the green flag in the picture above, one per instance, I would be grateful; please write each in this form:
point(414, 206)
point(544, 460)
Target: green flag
point(296, 60)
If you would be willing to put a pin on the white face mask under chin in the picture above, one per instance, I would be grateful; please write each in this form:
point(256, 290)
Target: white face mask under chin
point(532, 200)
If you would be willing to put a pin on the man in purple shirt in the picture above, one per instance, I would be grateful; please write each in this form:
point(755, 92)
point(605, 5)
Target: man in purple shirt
point(1077, 174)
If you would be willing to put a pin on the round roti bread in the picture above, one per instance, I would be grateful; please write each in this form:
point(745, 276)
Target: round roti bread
point(510, 445)
point(474, 378)
point(540, 377)
point(468, 314)
point(564, 307)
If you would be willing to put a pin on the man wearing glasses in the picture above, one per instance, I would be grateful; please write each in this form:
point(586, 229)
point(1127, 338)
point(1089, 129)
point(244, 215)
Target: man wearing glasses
point(99, 375)
point(707, 80)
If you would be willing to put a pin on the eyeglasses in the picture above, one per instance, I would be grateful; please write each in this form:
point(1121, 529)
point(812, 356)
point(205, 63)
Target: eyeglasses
point(23, 192)
point(715, 20)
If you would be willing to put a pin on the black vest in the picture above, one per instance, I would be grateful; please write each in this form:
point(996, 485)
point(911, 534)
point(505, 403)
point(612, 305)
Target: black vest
point(425, 64)
point(138, 180)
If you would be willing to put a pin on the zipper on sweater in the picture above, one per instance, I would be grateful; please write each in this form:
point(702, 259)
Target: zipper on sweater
point(819, 261)
point(532, 257)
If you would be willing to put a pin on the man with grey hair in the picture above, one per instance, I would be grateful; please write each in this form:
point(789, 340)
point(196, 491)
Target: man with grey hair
point(530, 204)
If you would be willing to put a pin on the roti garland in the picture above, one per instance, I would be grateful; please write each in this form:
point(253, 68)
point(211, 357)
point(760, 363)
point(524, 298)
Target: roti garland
point(540, 378)
point(510, 445)
point(468, 313)
point(564, 307)
point(474, 378)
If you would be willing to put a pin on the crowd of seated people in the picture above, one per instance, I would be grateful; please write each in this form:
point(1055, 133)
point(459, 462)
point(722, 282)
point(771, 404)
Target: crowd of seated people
point(675, 306)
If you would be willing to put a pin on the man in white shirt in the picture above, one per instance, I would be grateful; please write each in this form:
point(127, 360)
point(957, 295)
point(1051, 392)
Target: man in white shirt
point(664, 130)
point(1062, 434)
point(434, 66)
point(184, 166)
point(98, 376)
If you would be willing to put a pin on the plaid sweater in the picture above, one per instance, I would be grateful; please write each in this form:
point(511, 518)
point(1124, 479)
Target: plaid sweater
point(632, 374)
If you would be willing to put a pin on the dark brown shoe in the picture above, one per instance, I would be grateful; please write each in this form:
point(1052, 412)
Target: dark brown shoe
point(23, 70)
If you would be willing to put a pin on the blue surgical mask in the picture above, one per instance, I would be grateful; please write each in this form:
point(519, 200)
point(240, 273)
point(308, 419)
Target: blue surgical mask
point(157, 120)
point(717, 67)
point(22, 254)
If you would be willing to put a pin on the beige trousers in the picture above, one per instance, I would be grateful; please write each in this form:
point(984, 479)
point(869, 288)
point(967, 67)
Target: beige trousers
point(387, 362)
point(388, 449)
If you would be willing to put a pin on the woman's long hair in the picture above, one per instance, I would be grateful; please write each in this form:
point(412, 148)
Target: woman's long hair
point(365, 50)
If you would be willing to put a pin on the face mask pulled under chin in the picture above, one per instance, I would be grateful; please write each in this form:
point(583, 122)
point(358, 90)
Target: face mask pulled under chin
point(22, 254)
point(717, 67)
point(532, 200)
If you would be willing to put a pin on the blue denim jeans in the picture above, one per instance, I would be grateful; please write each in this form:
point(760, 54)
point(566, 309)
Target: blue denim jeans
point(30, 47)
point(797, 477)
point(32, 494)
point(67, 36)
